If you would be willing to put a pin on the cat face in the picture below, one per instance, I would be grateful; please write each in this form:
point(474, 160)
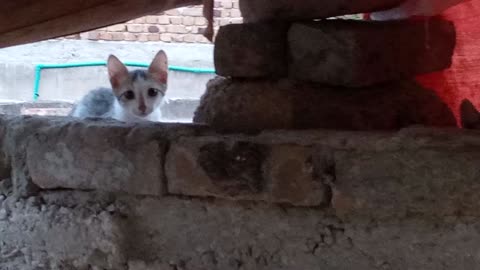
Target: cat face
point(139, 92)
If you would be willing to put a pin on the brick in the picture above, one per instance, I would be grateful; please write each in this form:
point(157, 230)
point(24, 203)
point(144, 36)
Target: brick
point(360, 53)
point(434, 182)
point(224, 21)
point(93, 35)
point(172, 12)
point(153, 29)
point(217, 13)
point(189, 38)
point(117, 36)
point(151, 19)
point(235, 5)
point(281, 10)
point(142, 37)
point(163, 20)
point(235, 13)
point(62, 157)
point(243, 170)
point(179, 29)
point(140, 20)
point(130, 36)
point(153, 37)
point(135, 28)
point(200, 21)
point(188, 20)
point(224, 13)
point(201, 39)
point(194, 12)
point(285, 104)
point(236, 20)
point(251, 50)
point(227, 4)
point(217, 4)
point(166, 37)
point(104, 36)
point(116, 28)
point(177, 38)
point(175, 20)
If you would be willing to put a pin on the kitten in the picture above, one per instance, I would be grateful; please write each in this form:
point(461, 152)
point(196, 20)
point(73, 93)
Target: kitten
point(134, 96)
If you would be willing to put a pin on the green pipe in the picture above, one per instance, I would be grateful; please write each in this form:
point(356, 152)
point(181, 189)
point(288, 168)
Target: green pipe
point(39, 67)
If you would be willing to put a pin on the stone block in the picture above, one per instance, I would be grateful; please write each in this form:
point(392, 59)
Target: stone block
point(89, 156)
point(359, 53)
point(281, 10)
point(239, 169)
point(251, 50)
point(235, 105)
point(394, 184)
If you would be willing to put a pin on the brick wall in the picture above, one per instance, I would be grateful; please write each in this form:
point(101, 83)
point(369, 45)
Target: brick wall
point(185, 24)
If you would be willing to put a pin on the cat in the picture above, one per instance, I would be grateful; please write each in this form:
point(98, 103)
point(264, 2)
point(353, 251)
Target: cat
point(469, 115)
point(134, 96)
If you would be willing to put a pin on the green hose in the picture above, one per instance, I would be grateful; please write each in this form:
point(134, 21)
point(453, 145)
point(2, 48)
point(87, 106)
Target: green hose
point(39, 67)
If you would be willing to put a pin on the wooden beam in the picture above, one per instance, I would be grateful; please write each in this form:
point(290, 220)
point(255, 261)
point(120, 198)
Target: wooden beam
point(26, 21)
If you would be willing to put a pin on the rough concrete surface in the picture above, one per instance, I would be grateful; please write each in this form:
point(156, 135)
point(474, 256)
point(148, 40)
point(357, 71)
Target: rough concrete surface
point(252, 50)
point(392, 200)
point(235, 105)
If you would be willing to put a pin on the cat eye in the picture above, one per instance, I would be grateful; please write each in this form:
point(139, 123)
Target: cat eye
point(129, 95)
point(152, 92)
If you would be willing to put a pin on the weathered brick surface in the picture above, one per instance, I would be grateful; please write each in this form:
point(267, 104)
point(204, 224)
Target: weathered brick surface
point(243, 170)
point(183, 19)
point(251, 50)
point(89, 156)
point(246, 106)
point(266, 10)
point(359, 53)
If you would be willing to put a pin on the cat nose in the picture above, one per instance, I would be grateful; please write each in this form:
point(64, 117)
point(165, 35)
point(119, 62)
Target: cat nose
point(142, 108)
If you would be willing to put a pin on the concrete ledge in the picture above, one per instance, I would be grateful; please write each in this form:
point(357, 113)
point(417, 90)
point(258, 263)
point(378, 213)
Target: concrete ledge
point(350, 171)
point(276, 199)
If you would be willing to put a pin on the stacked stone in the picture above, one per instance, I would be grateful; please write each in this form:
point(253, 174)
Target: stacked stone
point(284, 69)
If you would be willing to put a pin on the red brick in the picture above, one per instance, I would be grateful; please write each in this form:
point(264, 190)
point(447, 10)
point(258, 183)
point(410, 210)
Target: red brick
point(188, 20)
point(117, 36)
point(166, 37)
point(153, 37)
point(195, 12)
point(172, 12)
point(176, 20)
point(151, 19)
point(152, 29)
point(180, 29)
point(135, 28)
point(200, 21)
point(116, 28)
point(163, 20)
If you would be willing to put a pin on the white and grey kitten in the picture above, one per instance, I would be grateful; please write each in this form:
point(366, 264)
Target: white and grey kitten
point(135, 95)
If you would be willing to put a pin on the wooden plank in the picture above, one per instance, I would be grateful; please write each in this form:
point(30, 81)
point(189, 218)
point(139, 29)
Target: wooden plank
point(61, 21)
point(44, 10)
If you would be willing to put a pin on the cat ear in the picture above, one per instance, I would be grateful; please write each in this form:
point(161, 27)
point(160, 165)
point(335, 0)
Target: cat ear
point(159, 67)
point(469, 115)
point(117, 71)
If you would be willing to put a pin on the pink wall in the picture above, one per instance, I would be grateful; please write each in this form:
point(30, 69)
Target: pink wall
point(462, 80)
